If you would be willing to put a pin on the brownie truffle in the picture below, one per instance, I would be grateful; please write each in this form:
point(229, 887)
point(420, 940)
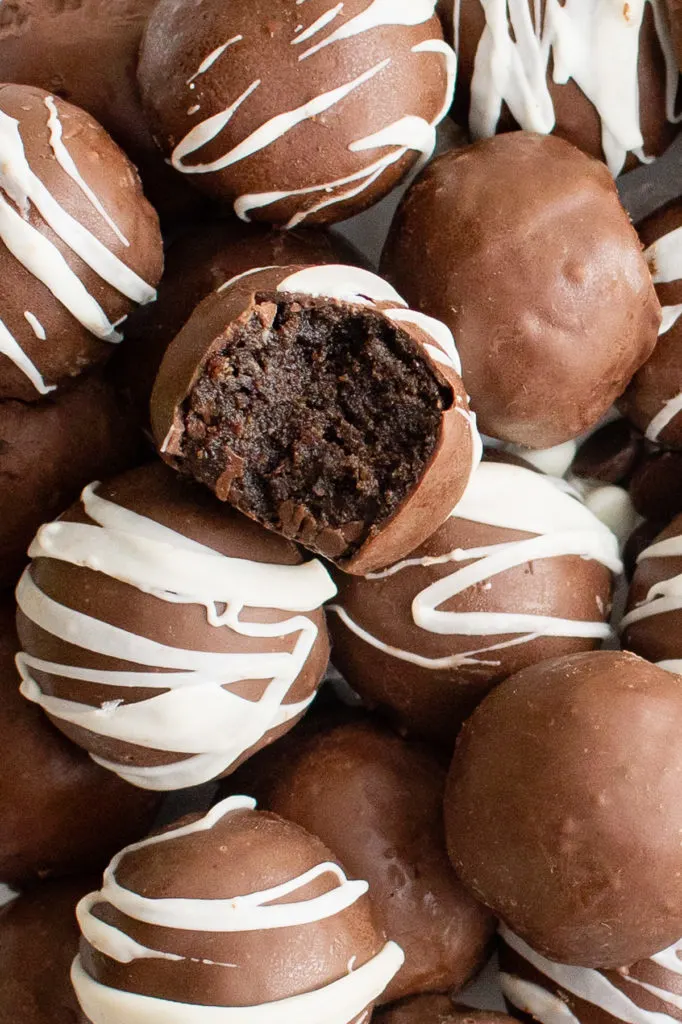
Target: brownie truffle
point(653, 401)
point(245, 912)
point(604, 78)
point(60, 812)
point(652, 626)
point(295, 114)
point(376, 800)
point(434, 1009)
point(546, 991)
point(79, 243)
point(168, 636)
point(38, 941)
point(49, 450)
point(563, 809)
point(520, 572)
point(521, 246)
point(315, 402)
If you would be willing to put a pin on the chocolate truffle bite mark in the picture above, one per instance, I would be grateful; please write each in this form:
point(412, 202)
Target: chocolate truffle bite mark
point(245, 912)
point(521, 246)
point(436, 1010)
point(563, 810)
point(295, 114)
point(315, 402)
point(520, 572)
point(377, 801)
point(79, 243)
point(168, 636)
point(652, 626)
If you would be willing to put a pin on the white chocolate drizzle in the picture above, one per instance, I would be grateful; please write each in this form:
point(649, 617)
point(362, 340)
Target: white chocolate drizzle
point(512, 498)
point(662, 597)
point(191, 709)
point(664, 257)
point(209, 61)
point(35, 325)
point(11, 348)
point(337, 1003)
point(594, 43)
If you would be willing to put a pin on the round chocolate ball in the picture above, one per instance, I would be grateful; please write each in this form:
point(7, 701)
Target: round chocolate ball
point(79, 244)
point(426, 639)
point(652, 626)
point(377, 800)
point(49, 450)
point(544, 991)
point(604, 79)
point(39, 941)
point(246, 912)
point(435, 1009)
point(315, 402)
point(653, 401)
point(168, 636)
point(521, 246)
point(563, 810)
point(295, 114)
point(61, 813)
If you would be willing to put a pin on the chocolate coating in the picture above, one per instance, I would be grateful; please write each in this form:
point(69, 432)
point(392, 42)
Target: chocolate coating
point(436, 1010)
point(60, 812)
point(429, 675)
point(656, 485)
point(658, 635)
point(49, 450)
point(563, 809)
point(154, 606)
point(610, 455)
point(377, 801)
point(87, 250)
point(521, 246)
point(303, 96)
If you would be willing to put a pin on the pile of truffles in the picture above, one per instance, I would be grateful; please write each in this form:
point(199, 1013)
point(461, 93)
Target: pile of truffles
point(340, 588)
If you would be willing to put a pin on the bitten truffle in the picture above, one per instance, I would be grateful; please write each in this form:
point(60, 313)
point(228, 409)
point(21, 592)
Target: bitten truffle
point(563, 808)
point(521, 246)
point(652, 626)
point(244, 911)
point(166, 635)
point(296, 114)
point(315, 402)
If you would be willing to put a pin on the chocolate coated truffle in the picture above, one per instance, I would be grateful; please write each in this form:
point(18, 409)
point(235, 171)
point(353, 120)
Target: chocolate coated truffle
point(38, 941)
point(563, 810)
point(79, 243)
point(60, 812)
point(246, 912)
point(377, 802)
point(315, 402)
point(604, 78)
point(545, 991)
point(427, 638)
point(436, 1010)
point(49, 450)
point(652, 626)
point(656, 484)
point(521, 246)
point(296, 115)
point(653, 401)
point(168, 636)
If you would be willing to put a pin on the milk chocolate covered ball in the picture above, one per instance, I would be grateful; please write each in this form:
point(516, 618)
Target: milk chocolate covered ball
point(545, 991)
point(652, 625)
point(377, 801)
point(427, 638)
point(168, 636)
point(315, 402)
point(49, 450)
point(653, 401)
point(521, 246)
point(249, 917)
point(436, 1010)
point(563, 810)
point(603, 78)
point(293, 114)
point(60, 812)
point(79, 244)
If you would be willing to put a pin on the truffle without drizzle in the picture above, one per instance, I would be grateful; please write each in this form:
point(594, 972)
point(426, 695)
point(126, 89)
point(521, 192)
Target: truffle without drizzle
point(79, 244)
point(294, 113)
point(249, 917)
point(315, 402)
point(563, 809)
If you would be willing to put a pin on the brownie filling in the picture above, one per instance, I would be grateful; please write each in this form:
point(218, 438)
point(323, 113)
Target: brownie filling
point(332, 414)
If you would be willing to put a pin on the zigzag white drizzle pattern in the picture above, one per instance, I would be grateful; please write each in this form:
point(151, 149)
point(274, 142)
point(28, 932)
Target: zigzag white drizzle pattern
point(338, 1003)
point(191, 709)
point(511, 498)
point(665, 596)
